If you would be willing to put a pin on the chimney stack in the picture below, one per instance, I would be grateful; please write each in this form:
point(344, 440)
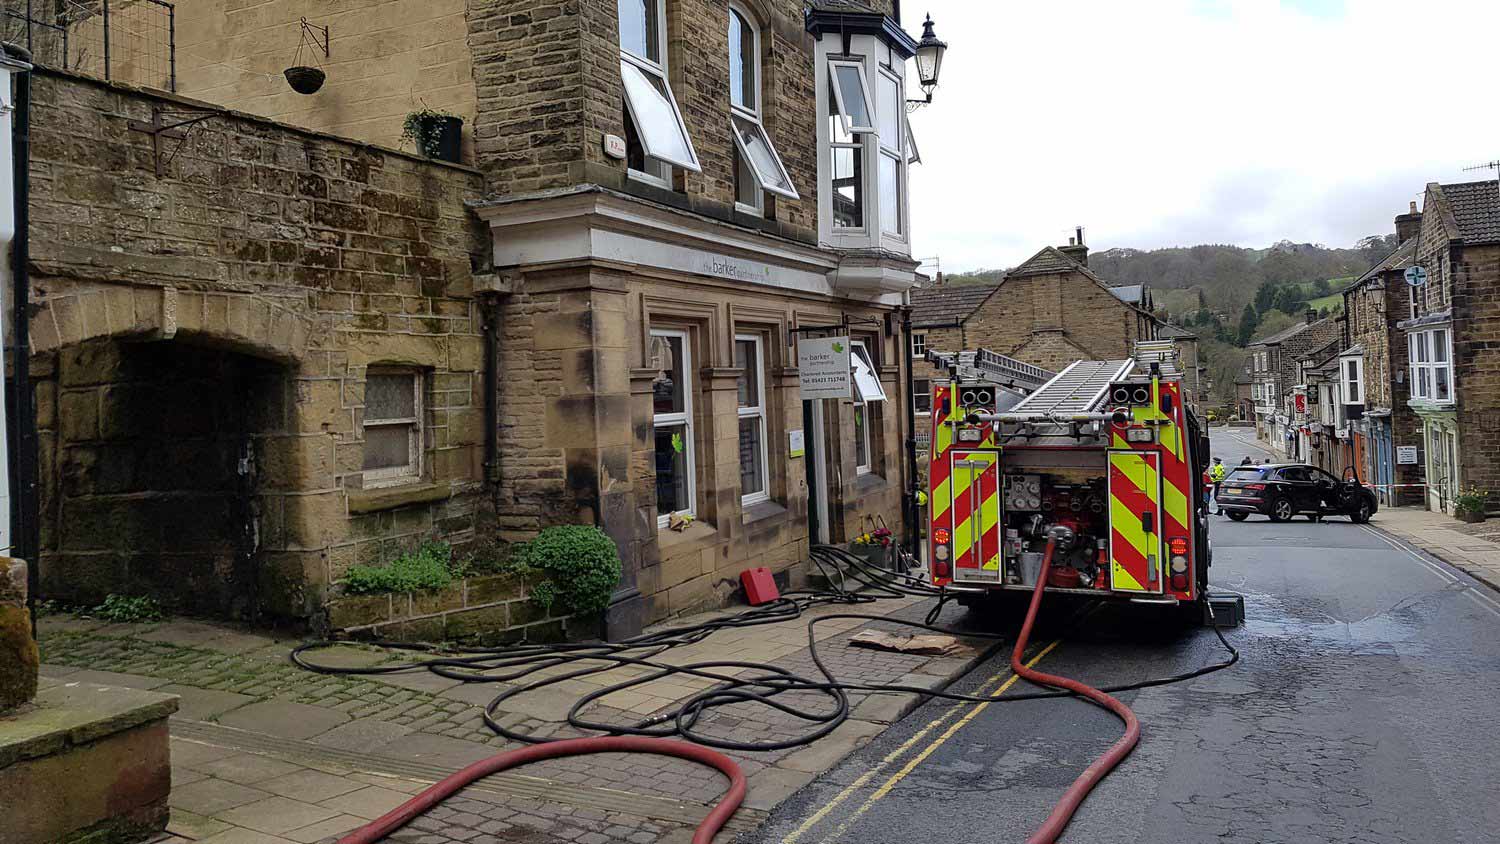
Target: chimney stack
point(1076, 249)
point(1408, 224)
point(1312, 316)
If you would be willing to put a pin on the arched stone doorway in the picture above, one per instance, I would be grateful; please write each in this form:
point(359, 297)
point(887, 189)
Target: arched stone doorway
point(151, 458)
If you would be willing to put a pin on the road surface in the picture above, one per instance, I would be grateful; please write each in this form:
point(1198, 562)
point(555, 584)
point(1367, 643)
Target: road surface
point(1366, 709)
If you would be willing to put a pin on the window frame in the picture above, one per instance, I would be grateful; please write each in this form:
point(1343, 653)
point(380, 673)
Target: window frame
point(758, 412)
point(925, 394)
point(752, 116)
point(659, 170)
point(858, 63)
point(861, 418)
point(683, 418)
point(895, 227)
point(1423, 349)
point(1352, 389)
point(411, 472)
point(919, 346)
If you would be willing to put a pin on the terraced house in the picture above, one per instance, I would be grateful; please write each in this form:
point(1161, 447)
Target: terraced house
point(590, 313)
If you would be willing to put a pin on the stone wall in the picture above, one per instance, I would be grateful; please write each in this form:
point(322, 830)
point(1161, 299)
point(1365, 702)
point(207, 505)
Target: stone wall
point(485, 610)
point(386, 59)
point(1372, 310)
point(1476, 367)
point(1053, 319)
point(315, 256)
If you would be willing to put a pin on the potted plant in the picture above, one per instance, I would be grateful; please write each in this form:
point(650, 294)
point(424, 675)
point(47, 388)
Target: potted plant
point(434, 132)
point(304, 80)
point(1469, 504)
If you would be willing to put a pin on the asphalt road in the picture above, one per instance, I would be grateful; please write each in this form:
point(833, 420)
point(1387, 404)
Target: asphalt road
point(1366, 708)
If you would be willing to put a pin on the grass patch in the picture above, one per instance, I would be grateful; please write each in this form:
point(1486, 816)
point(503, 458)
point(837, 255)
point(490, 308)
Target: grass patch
point(429, 568)
point(128, 609)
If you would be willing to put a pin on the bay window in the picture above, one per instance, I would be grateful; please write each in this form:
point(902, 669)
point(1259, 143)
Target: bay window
point(656, 138)
point(1352, 379)
point(757, 166)
point(1431, 359)
point(749, 356)
point(672, 424)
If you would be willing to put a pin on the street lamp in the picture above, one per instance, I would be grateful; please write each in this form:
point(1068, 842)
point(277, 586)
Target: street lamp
point(929, 62)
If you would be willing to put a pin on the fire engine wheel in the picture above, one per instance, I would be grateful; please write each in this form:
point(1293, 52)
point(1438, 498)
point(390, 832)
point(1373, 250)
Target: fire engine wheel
point(1237, 515)
point(1281, 510)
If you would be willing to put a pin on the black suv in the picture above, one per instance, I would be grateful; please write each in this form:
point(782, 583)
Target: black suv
point(1280, 491)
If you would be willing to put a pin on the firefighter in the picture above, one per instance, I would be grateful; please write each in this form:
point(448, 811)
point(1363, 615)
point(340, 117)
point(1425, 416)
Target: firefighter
point(1216, 473)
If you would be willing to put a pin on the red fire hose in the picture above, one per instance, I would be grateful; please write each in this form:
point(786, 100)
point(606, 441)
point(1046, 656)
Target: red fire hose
point(707, 828)
point(1073, 797)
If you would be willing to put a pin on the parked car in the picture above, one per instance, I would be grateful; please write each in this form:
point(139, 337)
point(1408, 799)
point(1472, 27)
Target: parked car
point(1280, 491)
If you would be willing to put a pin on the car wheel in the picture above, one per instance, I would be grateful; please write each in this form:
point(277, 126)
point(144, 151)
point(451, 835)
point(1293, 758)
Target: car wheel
point(1361, 513)
point(1281, 510)
point(1237, 515)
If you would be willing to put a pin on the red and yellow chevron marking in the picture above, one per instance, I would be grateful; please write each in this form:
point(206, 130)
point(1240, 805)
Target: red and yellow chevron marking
point(1134, 490)
point(951, 498)
point(1176, 470)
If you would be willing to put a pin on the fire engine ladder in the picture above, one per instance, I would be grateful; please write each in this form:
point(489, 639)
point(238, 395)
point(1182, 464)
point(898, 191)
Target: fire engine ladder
point(992, 367)
point(1161, 352)
point(1080, 388)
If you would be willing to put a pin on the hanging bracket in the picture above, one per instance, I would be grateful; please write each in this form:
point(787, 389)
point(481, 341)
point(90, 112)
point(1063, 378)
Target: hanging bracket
point(311, 31)
point(176, 130)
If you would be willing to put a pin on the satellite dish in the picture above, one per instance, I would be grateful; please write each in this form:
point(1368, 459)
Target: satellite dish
point(1416, 276)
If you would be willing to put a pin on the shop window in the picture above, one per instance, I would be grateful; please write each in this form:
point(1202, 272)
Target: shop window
point(656, 137)
point(749, 356)
point(757, 166)
point(392, 426)
point(672, 424)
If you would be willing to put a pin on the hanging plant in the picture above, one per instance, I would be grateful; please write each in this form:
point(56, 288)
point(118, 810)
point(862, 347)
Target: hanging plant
point(306, 79)
point(435, 133)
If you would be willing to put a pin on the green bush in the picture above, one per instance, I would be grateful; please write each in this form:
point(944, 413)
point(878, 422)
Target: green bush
point(582, 567)
point(429, 568)
point(126, 609)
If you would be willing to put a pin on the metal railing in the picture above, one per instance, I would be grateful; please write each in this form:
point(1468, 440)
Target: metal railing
point(132, 41)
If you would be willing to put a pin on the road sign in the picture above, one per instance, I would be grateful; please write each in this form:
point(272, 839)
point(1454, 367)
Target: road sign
point(1406, 455)
point(1416, 276)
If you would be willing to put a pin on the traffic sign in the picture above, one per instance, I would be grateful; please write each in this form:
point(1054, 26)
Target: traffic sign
point(1416, 276)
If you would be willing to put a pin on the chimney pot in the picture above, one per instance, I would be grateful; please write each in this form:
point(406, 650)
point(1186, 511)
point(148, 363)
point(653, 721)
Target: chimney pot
point(1409, 224)
point(1312, 316)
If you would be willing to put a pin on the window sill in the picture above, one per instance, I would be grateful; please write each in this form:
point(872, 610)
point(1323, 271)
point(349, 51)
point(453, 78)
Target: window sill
point(389, 498)
point(761, 511)
point(695, 533)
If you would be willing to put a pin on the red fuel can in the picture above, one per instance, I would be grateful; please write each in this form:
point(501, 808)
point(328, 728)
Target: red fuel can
point(760, 587)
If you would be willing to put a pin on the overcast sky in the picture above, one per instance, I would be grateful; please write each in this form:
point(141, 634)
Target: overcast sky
point(1174, 122)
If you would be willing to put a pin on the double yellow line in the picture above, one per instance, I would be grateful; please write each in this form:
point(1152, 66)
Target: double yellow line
point(1004, 678)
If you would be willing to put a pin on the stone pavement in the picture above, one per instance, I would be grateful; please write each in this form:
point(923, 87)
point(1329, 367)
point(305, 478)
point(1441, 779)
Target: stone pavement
point(266, 753)
point(1473, 548)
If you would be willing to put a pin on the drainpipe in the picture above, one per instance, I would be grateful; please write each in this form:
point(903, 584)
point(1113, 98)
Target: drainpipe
point(911, 515)
point(21, 433)
point(489, 312)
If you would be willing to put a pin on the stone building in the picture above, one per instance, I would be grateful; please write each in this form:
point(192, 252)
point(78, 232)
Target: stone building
point(1451, 325)
point(595, 319)
point(1374, 380)
point(1274, 369)
point(1194, 372)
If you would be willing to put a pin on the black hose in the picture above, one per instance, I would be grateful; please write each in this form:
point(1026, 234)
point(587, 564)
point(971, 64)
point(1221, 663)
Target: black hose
point(516, 662)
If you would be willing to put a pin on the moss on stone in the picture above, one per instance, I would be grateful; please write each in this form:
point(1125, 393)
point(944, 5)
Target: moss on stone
point(18, 657)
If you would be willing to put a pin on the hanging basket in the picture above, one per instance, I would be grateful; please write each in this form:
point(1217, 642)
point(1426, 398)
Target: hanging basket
point(440, 136)
point(305, 80)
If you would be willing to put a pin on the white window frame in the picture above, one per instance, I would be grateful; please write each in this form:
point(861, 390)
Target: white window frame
point(850, 128)
point(1422, 355)
point(915, 393)
point(659, 170)
point(752, 117)
point(683, 418)
point(757, 412)
point(897, 153)
point(919, 346)
point(1352, 389)
point(914, 156)
point(862, 403)
point(412, 471)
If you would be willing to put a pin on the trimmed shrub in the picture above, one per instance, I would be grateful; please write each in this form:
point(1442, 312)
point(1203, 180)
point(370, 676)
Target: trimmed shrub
point(582, 566)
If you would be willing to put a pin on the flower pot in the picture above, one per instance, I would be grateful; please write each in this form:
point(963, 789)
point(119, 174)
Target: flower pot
point(1471, 516)
point(440, 137)
point(304, 80)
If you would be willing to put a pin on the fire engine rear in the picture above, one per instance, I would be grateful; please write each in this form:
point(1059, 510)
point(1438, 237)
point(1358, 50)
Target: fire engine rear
point(1105, 455)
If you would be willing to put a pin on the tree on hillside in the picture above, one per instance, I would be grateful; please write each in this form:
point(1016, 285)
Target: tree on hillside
point(1265, 297)
point(1289, 299)
point(1321, 288)
point(1274, 321)
point(1247, 326)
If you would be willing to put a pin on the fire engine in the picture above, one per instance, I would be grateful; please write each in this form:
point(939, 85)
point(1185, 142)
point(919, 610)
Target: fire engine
point(1104, 454)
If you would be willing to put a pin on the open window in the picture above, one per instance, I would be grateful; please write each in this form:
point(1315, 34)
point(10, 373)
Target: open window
point(867, 391)
point(757, 156)
point(851, 97)
point(866, 381)
point(656, 135)
point(912, 156)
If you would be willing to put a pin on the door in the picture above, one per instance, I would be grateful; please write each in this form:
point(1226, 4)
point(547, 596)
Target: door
point(1135, 521)
point(975, 481)
point(1297, 484)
